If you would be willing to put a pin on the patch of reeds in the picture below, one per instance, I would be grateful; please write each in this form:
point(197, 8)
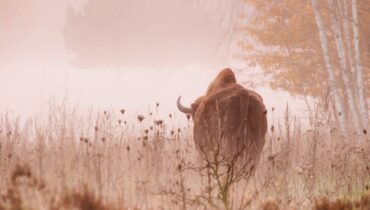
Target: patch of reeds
point(114, 159)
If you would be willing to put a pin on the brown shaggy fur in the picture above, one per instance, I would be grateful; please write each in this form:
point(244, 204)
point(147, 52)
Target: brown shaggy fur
point(232, 114)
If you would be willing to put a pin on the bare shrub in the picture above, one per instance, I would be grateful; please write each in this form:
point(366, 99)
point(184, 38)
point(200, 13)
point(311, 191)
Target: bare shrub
point(29, 192)
point(343, 204)
point(81, 200)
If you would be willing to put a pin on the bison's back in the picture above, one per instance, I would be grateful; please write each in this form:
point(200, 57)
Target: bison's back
point(232, 118)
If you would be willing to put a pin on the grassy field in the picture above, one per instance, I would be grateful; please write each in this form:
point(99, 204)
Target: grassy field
point(102, 160)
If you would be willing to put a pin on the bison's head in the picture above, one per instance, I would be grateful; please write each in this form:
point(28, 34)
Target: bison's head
point(224, 79)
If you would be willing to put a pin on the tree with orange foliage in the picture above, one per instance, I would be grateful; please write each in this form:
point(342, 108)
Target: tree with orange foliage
point(311, 47)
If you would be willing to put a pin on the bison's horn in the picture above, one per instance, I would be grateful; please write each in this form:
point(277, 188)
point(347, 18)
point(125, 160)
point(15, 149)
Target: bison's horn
point(182, 108)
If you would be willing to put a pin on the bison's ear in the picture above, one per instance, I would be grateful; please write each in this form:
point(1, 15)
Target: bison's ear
point(195, 105)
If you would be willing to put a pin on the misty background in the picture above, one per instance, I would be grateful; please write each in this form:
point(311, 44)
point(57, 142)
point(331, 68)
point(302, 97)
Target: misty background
point(121, 54)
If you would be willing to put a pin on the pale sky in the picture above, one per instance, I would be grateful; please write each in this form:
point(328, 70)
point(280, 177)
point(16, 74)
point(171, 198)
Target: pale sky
point(35, 65)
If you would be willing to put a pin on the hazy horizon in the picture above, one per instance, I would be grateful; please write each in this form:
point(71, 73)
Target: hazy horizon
point(36, 64)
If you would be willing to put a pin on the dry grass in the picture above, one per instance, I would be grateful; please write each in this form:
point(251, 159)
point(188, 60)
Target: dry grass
point(107, 160)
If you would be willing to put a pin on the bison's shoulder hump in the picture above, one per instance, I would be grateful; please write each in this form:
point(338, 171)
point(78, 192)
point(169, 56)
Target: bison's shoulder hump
point(229, 90)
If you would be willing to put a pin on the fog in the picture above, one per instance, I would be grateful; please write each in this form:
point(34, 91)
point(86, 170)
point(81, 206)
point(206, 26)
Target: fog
point(165, 51)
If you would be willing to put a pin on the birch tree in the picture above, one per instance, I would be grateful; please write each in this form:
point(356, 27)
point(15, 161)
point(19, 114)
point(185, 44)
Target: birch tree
point(345, 73)
point(333, 86)
point(359, 73)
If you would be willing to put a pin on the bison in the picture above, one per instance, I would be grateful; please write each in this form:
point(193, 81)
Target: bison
point(228, 117)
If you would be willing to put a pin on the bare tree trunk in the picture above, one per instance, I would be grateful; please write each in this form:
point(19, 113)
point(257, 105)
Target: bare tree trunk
point(344, 71)
point(345, 20)
point(348, 43)
point(333, 86)
point(359, 73)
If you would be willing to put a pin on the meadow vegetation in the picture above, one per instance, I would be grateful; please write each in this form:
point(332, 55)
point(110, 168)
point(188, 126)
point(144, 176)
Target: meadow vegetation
point(100, 160)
